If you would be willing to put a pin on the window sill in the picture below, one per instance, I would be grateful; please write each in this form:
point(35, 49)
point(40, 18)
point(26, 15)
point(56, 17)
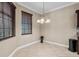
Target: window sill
point(6, 38)
point(26, 34)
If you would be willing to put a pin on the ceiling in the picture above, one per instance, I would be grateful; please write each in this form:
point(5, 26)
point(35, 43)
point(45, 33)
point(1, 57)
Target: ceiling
point(49, 6)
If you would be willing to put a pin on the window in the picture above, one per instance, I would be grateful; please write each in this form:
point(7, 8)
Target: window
point(26, 23)
point(7, 20)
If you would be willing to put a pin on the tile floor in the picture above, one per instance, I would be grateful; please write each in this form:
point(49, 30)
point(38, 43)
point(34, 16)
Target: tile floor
point(44, 50)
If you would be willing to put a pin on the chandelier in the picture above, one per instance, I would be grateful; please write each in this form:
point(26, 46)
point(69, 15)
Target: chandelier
point(43, 19)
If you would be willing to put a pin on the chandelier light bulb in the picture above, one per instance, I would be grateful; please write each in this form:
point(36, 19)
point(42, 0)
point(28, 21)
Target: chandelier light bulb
point(47, 21)
point(38, 21)
point(42, 21)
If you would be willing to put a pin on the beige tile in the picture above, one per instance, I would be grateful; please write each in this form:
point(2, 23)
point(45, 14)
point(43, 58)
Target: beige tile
point(44, 50)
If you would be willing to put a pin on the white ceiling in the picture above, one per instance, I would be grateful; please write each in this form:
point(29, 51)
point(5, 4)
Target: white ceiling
point(49, 6)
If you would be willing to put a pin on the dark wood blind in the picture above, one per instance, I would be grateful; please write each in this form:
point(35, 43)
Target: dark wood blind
point(26, 23)
point(7, 20)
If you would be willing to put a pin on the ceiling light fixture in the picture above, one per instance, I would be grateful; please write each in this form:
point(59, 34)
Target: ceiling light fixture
point(43, 19)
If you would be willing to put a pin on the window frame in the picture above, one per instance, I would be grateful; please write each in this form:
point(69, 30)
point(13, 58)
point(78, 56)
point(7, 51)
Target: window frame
point(12, 6)
point(30, 23)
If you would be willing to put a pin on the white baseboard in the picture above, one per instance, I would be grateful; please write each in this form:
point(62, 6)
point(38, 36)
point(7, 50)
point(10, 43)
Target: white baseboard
point(23, 46)
point(59, 44)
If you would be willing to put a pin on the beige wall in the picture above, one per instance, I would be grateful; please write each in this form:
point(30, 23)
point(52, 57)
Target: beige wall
point(62, 25)
point(7, 46)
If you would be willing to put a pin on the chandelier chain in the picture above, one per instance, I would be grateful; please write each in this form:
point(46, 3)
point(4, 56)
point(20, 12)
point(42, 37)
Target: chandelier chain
point(43, 9)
